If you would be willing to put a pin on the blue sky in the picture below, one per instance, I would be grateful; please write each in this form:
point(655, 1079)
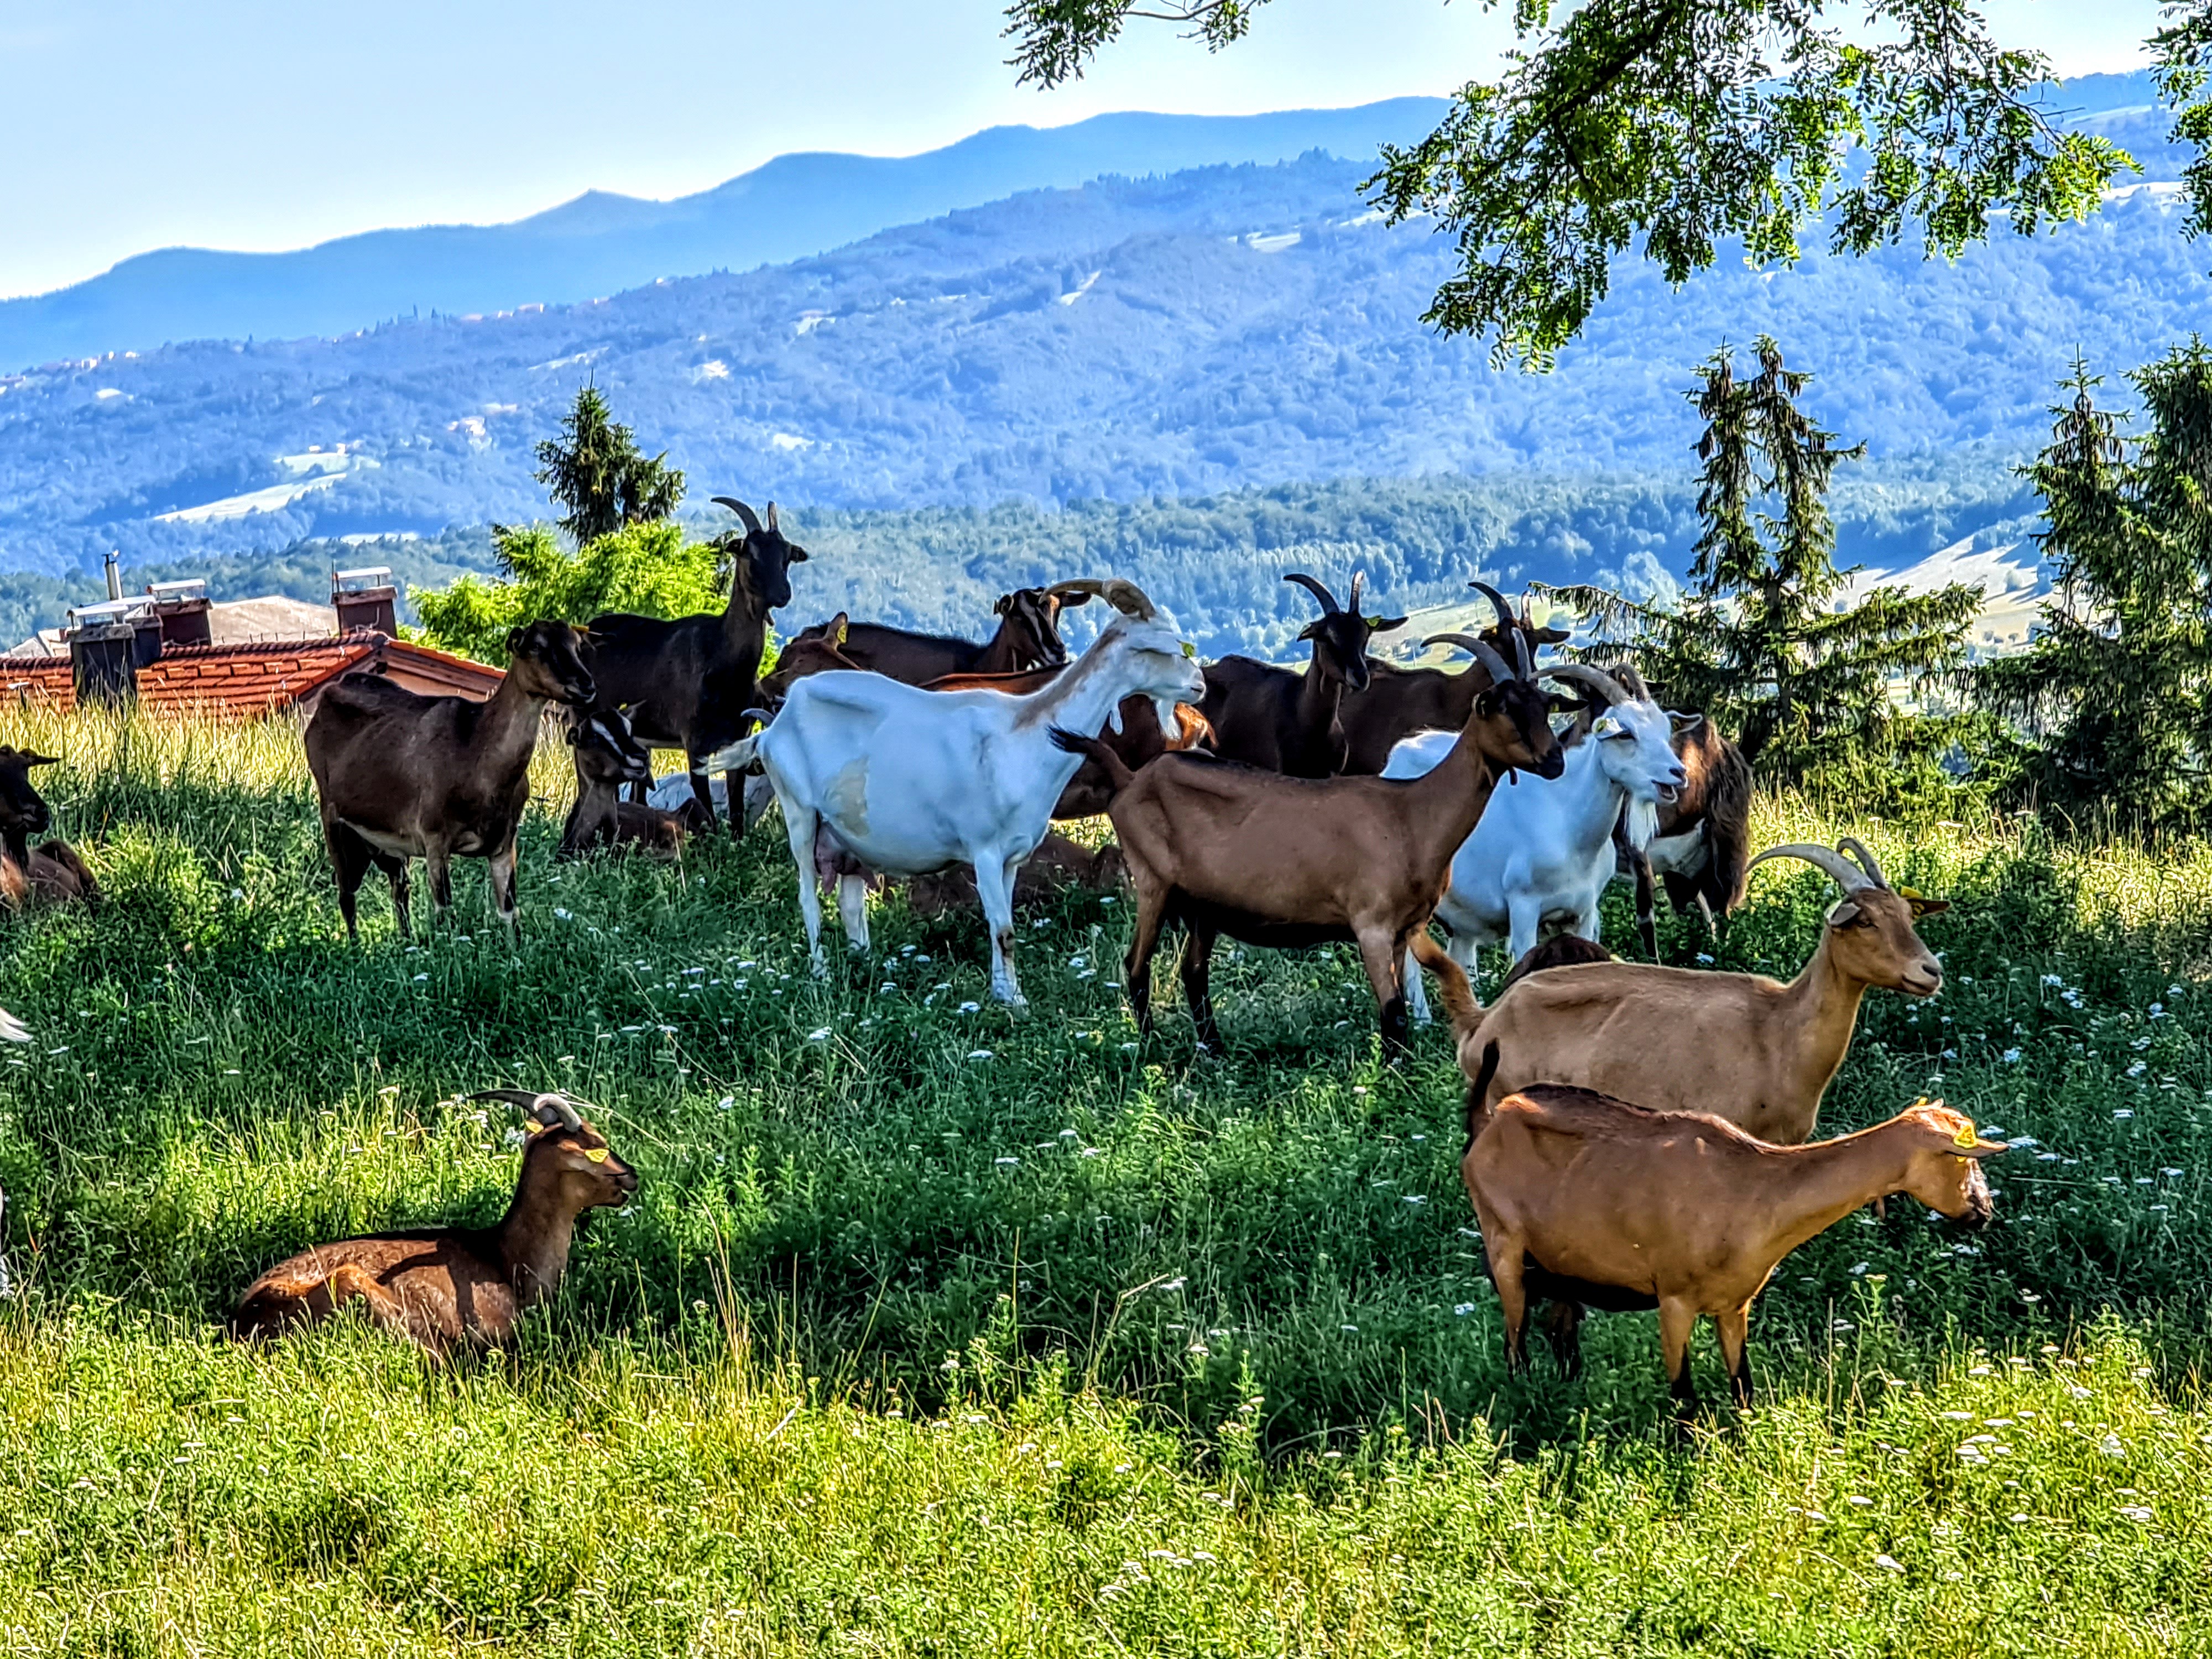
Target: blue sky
point(130, 125)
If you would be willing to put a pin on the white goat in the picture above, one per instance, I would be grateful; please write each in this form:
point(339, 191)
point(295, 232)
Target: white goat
point(1542, 853)
point(908, 781)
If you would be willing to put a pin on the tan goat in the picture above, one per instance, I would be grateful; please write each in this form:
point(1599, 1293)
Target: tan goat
point(1586, 1201)
point(1746, 1047)
point(457, 1286)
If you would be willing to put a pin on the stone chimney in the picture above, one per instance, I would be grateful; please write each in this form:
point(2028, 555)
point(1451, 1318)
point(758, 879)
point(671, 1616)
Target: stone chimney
point(183, 609)
point(104, 652)
point(366, 599)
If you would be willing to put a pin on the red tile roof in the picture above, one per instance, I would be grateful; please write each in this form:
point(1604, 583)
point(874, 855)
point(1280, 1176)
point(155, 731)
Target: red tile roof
point(260, 677)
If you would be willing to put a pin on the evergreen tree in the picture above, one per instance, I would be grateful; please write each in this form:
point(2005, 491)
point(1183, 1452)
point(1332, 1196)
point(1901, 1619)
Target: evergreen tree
point(1759, 641)
point(596, 471)
point(2116, 690)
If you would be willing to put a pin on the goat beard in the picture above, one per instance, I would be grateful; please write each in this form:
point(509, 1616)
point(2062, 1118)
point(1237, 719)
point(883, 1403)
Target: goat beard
point(1642, 823)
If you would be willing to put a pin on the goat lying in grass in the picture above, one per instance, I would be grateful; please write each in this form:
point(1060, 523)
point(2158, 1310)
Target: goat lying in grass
point(1756, 1052)
point(608, 756)
point(52, 871)
point(1587, 1200)
point(457, 1286)
point(1058, 864)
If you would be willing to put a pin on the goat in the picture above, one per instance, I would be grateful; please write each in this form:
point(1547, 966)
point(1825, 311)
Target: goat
point(1756, 1052)
point(1585, 1199)
point(1399, 701)
point(1028, 636)
point(608, 756)
point(51, 871)
point(1701, 845)
point(1284, 721)
point(457, 1286)
point(687, 683)
point(819, 650)
point(1138, 740)
point(1542, 854)
point(908, 781)
point(400, 776)
point(1282, 862)
point(1560, 950)
point(1057, 866)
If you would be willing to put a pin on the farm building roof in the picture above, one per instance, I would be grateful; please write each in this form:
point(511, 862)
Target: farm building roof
point(260, 677)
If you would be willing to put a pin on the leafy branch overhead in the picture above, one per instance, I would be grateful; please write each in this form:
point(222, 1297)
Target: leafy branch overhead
point(1669, 128)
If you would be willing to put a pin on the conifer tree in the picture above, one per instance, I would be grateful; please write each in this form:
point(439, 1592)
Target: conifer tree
point(2116, 690)
point(1759, 641)
point(596, 471)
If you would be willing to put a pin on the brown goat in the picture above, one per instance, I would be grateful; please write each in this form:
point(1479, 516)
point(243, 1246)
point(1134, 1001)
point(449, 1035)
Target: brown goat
point(1057, 866)
point(1399, 701)
point(52, 871)
point(401, 776)
point(1748, 1048)
point(1282, 862)
point(1140, 741)
point(1702, 850)
point(1587, 1200)
point(607, 755)
point(1028, 636)
point(457, 1286)
point(1282, 720)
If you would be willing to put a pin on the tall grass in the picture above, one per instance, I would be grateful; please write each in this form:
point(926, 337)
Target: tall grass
point(1250, 1276)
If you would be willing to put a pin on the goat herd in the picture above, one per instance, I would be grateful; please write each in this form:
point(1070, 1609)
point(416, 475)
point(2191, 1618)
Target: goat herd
point(1636, 1134)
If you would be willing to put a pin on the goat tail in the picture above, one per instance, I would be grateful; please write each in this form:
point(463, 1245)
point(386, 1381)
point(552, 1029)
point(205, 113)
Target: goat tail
point(1452, 985)
point(1478, 1096)
point(1074, 743)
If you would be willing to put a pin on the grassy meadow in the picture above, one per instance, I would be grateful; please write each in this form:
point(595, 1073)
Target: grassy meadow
point(940, 1329)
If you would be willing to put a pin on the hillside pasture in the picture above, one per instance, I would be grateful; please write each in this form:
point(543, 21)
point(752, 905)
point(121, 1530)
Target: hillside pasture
point(938, 1327)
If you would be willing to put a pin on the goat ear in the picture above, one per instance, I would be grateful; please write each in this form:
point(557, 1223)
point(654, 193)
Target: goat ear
point(1925, 907)
point(32, 758)
point(1005, 603)
point(838, 625)
point(1843, 913)
point(513, 641)
point(1384, 624)
point(1310, 631)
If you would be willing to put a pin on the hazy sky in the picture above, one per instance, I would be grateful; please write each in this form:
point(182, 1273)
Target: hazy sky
point(129, 124)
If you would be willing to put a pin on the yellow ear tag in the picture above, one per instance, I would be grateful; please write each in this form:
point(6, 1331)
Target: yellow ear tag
point(840, 635)
point(1966, 1137)
point(1190, 649)
point(598, 1154)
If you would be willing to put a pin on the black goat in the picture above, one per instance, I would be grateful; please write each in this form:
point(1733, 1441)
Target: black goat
point(1280, 720)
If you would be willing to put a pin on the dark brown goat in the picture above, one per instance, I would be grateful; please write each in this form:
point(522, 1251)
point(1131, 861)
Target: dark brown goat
point(52, 871)
point(459, 1286)
point(1282, 720)
point(1702, 850)
point(1280, 861)
point(1057, 866)
point(687, 683)
point(1560, 950)
point(1028, 637)
point(608, 756)
point(402, 776)
point(1399, 701)
point(1139, 740)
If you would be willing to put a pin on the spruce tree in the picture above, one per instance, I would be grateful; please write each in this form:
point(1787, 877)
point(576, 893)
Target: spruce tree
point(1759, 641)
point(2115, 692)
point(596, 471)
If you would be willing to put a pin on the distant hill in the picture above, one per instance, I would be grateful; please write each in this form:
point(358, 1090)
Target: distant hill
point(1221, 329)
point(602, 243)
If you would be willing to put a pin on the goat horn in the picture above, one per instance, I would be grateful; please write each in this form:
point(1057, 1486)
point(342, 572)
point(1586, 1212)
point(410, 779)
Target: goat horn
point(752, 524)
point(1125, 596)
point(1857, 849)
point(1627, 675)
point(770, 520)
point(1328, 605)
point(1851, 879)
point(1504, 612)
point(1352, 604)
point(555, 1110)
point(1500, 671)
point(1598, 681)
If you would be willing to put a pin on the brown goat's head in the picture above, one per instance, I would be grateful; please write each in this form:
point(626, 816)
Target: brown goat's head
point(817, 650)
point(1870, 932)
point(607, 750)
point(1945, 1172)
point(549, 660)
point(22, 809)
point(761, 562)
point(1030, 617)
point(566, 1153)
point(1339, 635)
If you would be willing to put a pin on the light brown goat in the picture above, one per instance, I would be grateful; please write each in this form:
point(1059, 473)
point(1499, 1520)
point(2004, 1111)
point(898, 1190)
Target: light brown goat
point(457, 1286)
point(1587, 1200)
point(1748, 1048)
point(1283, 861)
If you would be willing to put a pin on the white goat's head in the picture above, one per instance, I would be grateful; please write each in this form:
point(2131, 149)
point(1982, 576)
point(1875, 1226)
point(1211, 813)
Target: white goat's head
point(1161, 664)
point(1632, 736)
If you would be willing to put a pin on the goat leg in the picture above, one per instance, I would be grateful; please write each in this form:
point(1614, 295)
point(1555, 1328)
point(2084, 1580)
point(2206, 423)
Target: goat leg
point(1508, 1257)
point(349, 862)
point(800, 824)
point(502, 888)
point(1383, 955)
point(438, 863)
point(1677, 1319)
point(852, 910)
point(994, 887)
point(1647, 920)
point(1417, 994)
point(1197, 986)
point(1562, 1325)
point(1734, 1329)
point(1136, 965)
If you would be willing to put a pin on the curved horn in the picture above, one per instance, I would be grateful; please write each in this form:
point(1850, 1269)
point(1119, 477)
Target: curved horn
point(555, 1110)
point(1352, 604)
point(1582, 674)
point(1848, 876)
point(1857, 849)
point(1125, 596)
point(1328, 605)
point(1505, 618)
point(1626, 674)
point(1464, 641)
point(1500, 671)
point(770, 520)
point(752, 524)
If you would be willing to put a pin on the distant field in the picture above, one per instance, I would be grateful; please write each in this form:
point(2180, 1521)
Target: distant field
point(937, 1329)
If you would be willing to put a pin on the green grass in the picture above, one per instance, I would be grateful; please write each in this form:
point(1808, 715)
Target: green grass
point(931, 1320)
